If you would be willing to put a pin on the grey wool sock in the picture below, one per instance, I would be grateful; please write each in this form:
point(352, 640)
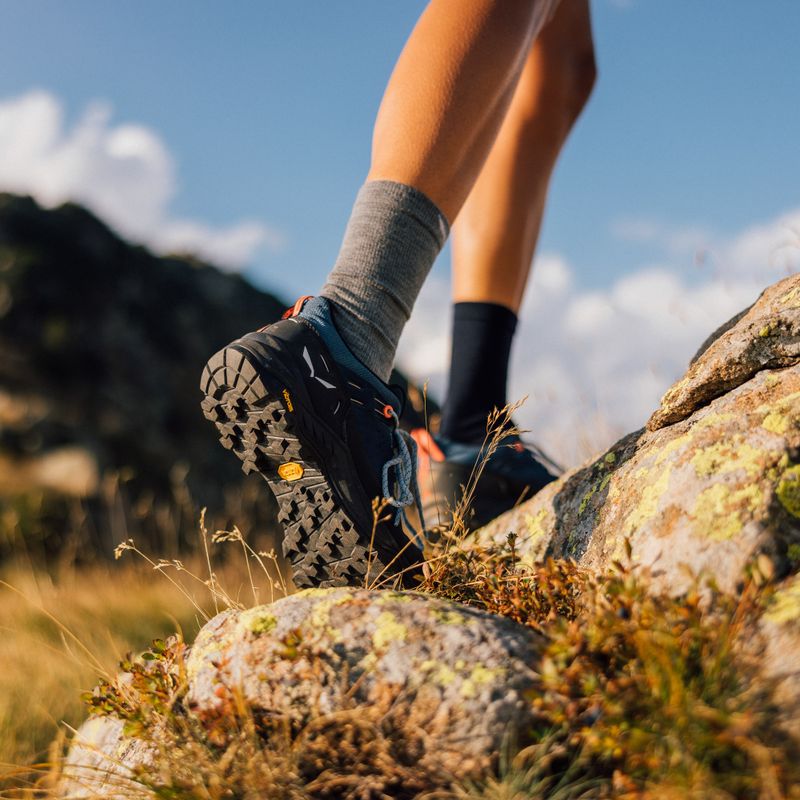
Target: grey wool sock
point(393, 237)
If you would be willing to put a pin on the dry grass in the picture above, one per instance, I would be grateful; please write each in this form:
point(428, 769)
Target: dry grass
point(641, 695)
point(60, 634)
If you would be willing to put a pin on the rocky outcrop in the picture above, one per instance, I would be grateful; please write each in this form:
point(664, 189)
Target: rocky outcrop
point(710, 488)
point(764, 336)
point(713, 481)
point(452, 681)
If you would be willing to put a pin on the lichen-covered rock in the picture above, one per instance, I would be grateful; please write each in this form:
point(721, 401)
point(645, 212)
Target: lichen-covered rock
point(451, 684)
point(780, 631)
point(708, 492)
point(453, 677)
point(101, 762)
point(764, 336)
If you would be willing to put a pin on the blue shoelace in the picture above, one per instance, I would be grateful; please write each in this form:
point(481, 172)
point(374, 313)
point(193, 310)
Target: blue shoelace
point(404, 464)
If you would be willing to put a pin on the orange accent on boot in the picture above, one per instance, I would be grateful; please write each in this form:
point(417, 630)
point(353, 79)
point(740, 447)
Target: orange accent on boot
point(291, 471)
point(297, 307)
point(426, 444)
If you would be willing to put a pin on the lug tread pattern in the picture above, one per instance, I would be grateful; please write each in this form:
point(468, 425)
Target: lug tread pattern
point(320, 540)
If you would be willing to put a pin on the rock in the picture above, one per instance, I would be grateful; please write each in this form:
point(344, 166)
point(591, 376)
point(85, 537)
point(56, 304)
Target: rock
point(764, 336)
point(711, 493)
point(452, 676)
point(101, 762)
point(706, 493)
point(451, 683)
point(780, 631)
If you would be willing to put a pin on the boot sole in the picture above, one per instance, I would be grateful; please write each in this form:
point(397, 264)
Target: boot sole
point(320, 540)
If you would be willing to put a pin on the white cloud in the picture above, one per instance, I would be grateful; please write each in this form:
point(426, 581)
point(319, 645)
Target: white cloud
point(123, 172)
point(594, 364)
point(675, 239)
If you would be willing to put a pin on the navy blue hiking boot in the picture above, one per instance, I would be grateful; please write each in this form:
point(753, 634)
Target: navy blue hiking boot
point(514, 471)
point(296, 406)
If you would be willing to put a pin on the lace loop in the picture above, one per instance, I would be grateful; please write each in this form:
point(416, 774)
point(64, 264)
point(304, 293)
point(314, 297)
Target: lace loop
point(404, 464)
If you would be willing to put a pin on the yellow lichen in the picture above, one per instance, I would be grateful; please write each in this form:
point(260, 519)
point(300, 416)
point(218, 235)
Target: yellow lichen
point(449, 617)
point(729, 456)
point(718, 511)
point(780, 415)
point(671, 447)
point(440, 674)
point(534, 524)
point(788, 490)
point(258, 620)
point(387, 630)
point(647, 506)
point(389, 596)
point(784, 605)
point(712, 419)
point(320, 618)
point(792, 298)
point(775, 422)
point(674, 390)
point(480, 676)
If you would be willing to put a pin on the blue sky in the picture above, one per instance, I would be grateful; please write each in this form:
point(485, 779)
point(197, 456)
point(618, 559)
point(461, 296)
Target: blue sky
point(244, 128)
point(267, 108)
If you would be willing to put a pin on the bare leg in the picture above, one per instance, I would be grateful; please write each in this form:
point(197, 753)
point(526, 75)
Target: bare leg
point(449, 92)
point(495, 235)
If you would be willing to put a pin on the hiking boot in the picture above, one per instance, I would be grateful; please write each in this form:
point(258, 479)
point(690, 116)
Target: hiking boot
point(514, 472)
point(297, 407)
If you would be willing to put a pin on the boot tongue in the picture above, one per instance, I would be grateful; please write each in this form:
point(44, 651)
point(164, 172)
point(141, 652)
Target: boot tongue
point(320, 314)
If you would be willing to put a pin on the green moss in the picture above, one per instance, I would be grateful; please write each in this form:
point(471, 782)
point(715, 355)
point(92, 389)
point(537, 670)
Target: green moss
point(788, 490)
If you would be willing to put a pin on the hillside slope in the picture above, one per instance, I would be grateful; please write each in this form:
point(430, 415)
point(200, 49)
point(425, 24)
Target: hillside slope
point(101, 347)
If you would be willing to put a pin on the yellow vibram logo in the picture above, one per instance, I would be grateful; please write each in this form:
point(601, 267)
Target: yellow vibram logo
point(288, 400)
point(291, 471)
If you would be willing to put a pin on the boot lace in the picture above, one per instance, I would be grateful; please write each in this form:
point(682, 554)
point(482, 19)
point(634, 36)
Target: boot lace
point(404, 465)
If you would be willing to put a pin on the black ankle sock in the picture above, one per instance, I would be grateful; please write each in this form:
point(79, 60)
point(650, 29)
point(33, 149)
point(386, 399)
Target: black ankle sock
point(482, 335)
